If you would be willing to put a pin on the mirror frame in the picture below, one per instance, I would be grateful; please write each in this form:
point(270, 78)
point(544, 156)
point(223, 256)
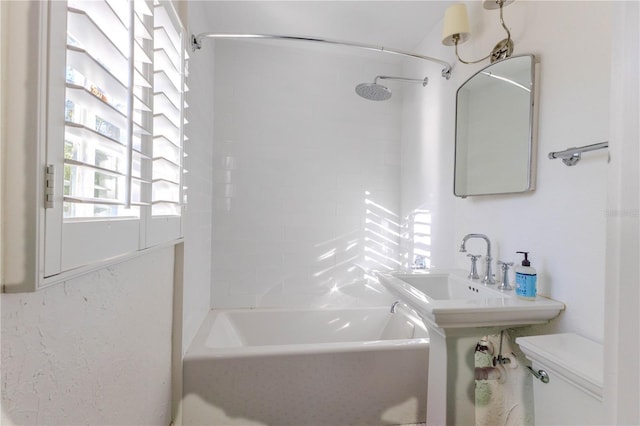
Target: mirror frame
point(532, 134)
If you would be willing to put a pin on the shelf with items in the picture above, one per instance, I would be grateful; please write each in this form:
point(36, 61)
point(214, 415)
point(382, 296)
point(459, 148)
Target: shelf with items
point(81, 64)
point(90, 95)
point(112, 80)
point(79, 134)
point(90, 136)
point(92, 109)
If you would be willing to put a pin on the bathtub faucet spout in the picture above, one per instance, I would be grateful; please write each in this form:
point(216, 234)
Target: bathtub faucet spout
point(394, 306)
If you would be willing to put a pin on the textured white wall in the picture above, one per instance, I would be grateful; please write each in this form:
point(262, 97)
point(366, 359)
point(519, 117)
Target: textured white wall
point(563, 222)
point(93, 350)
point(305, 175)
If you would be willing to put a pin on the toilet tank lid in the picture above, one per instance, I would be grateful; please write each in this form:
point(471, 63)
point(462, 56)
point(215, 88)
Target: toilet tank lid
point(577, 359)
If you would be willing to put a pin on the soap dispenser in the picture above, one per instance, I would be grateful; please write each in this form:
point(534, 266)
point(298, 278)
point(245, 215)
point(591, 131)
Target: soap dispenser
point(526, 279)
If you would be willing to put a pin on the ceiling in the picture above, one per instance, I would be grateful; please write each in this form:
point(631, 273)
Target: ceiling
point(393, 24)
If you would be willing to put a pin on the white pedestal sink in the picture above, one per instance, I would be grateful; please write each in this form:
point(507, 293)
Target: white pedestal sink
point(457, 312)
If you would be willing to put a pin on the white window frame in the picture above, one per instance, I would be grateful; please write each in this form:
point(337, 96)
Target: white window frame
point(64, 249)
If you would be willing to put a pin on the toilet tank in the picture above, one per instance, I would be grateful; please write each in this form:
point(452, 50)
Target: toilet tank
point(574, 365)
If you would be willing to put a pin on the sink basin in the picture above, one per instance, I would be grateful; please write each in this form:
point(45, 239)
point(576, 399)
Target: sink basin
point(449, 300)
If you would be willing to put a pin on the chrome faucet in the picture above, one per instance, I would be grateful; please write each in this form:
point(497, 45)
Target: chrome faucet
point(420, 262)
point(488, 273)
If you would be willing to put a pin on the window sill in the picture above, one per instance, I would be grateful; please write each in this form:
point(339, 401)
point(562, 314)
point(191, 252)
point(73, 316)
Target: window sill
point(86, 269)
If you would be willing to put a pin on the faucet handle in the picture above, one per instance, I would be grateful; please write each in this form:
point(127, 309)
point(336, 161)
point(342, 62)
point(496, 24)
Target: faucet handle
point(505, 265)
point(504, 286)
point(473, 272)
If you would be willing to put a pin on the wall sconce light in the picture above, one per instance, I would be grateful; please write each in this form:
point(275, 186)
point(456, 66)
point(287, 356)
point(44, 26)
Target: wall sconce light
point(456, 30)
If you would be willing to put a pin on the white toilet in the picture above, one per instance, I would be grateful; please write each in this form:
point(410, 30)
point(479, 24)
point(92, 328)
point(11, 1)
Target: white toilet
point(574, 366)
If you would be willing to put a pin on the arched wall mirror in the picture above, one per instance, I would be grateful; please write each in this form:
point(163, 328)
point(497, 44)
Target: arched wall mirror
point(495, 134)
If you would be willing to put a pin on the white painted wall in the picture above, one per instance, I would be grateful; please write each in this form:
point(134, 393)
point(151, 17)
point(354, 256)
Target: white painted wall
point(305, 175)
point(563, 222)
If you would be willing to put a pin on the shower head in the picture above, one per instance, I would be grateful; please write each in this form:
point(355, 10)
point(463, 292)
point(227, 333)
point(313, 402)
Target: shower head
point(377, 92)
point(373, 91)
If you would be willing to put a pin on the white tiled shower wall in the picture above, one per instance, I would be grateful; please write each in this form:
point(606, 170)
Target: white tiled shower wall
point(306, 175)
point(198, 223)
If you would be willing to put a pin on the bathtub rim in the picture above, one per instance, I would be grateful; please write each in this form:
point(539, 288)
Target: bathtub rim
point(198, 350)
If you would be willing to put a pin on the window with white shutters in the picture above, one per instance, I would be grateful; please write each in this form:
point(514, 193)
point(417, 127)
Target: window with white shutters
point(168, 127)
point(115, 131)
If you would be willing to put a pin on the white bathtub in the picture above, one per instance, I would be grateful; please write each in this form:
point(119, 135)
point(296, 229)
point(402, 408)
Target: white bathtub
point(300, 367)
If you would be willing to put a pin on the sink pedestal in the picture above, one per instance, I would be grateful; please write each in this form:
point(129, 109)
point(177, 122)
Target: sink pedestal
point(451, 381)
point(459, 312)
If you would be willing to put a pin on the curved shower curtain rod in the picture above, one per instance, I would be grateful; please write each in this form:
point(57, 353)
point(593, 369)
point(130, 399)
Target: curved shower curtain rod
point(196, 44)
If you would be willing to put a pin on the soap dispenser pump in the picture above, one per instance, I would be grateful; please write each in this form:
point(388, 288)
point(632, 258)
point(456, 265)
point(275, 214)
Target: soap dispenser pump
point(526, 279)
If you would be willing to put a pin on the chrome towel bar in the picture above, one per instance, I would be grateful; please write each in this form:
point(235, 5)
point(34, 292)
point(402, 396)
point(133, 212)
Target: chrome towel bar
point(571, 156)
